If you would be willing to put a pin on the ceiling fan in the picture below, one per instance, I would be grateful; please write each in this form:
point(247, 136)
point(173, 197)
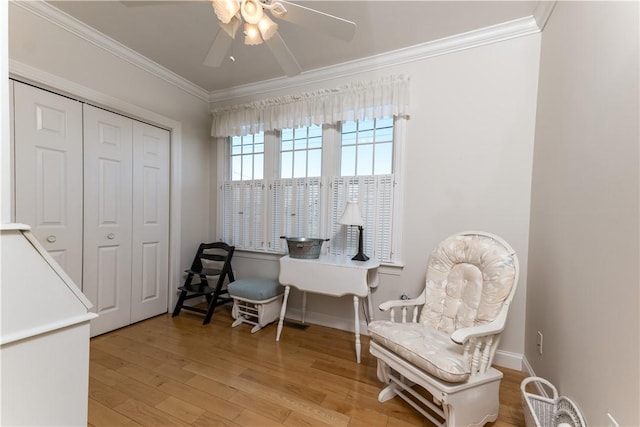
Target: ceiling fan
point(258, 27)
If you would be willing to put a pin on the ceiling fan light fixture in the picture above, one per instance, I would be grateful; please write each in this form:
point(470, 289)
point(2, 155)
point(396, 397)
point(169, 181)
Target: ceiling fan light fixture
point(251, 34)
point(267, 27)
point(251, 11)
point(225, 9)
point(231, 27)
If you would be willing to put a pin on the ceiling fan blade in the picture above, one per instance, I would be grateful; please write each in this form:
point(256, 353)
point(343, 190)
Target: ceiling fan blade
point(283, 55)
point(218, 50)
point(318, 21)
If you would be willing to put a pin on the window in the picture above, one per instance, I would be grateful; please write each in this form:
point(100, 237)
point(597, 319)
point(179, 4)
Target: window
point(366, 175)
point(247, 157)
point(311, 172)
point(243, 192)
point(301, 152)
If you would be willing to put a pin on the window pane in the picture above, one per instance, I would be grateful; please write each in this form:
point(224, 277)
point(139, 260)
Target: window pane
point(315, 131)
point(286, 134)
point(314, 163)
point(383, 159)
point(236, 168)
point(315, 142)
point(348, 139)
point(300, 144)
point(258, 138)
point(286, 164)
point(299, 164)
point(287, 145)
point(384, 122)
point(348, 161)
point(258, 148)
point(365, 137)
point(258, 164)
point(348, 127)
point(384, 134)
point(247, 167)
point(365, 125)
point(365, 160)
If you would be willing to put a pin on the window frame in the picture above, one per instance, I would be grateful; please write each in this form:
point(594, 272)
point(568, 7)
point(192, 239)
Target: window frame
point(331, 146)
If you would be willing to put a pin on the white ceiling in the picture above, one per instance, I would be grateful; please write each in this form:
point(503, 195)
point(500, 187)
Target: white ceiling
point(177, 35)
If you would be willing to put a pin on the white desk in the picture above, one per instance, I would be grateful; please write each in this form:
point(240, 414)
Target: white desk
point(329, 275)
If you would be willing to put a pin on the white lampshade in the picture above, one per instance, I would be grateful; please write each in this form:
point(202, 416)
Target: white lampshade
point(231, 27)
point(251, 11)
point(251, 34)
point(267, 27)
point(225, 9)
point(351, 215)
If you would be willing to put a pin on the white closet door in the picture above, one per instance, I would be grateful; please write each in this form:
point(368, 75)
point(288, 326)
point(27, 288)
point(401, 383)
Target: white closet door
point(48, 173)
point(150, 258)
point(107, 217)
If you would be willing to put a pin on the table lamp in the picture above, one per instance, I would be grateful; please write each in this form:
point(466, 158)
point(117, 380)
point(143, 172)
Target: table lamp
point(352, 216)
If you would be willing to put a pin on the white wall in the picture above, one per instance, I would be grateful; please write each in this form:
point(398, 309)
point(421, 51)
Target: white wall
point(468, 160)
point(5, 141)
point(41, 44)
point(583, 284)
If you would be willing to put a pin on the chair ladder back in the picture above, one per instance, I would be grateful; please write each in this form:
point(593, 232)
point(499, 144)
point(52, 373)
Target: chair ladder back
point(223, 254)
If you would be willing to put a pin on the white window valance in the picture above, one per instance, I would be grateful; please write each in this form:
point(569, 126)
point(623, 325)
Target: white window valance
point(358, 101)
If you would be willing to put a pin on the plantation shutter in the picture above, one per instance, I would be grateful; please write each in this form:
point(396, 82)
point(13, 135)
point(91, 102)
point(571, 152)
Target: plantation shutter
point(295, 210)
point(375, 197)
point(243, 204)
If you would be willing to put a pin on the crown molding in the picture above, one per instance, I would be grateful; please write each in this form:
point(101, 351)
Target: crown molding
point(483, 36)
point(90, 34)
point(543, 12)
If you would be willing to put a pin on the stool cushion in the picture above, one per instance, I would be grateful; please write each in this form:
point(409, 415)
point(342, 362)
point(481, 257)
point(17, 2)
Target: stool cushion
point(255, 289)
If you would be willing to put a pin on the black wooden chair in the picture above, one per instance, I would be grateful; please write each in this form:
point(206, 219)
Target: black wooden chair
point(212, 259)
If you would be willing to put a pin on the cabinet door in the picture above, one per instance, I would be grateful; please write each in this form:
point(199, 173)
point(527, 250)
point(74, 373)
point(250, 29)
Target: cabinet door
point(150, 257)
point(48, 173)
point(107, 217)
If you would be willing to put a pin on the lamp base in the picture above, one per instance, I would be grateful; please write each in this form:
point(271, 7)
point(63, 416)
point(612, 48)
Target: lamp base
point(360, 257)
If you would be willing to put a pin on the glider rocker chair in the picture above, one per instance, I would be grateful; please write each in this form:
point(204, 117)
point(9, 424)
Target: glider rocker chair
point(211, 260)
point(445, 339)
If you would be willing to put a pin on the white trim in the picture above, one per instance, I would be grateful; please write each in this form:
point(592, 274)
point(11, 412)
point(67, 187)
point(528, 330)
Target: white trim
point(49, 327)
point(543, 12)
point(507, 359)
point(526, 367)
point(90, 34)
point(483, 36)
point(57, 84)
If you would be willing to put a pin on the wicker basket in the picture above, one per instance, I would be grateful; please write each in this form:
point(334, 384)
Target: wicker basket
point(543, 411)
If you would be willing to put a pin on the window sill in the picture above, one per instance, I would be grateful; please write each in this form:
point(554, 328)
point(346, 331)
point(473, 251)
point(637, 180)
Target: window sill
point(393, 269)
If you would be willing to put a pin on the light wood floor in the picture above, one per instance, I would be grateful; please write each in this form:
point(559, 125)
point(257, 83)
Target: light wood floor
point(174, 371)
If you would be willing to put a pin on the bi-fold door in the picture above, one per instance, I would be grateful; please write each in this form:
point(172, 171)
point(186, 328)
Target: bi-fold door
point(94, 186)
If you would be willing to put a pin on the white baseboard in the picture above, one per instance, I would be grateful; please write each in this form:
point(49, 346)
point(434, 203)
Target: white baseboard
point(508, 359)
point(526, 368)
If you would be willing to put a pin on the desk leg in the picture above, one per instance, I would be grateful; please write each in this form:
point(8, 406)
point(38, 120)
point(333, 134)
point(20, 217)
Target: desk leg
point(304, 305)
point(357, 327)
point(283, 310)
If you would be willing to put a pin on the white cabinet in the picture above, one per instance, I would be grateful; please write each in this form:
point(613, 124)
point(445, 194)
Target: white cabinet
point(94, 185)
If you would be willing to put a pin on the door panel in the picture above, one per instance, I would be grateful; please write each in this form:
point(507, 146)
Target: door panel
point(107, 217)
point(150, 275)
point(48, 172)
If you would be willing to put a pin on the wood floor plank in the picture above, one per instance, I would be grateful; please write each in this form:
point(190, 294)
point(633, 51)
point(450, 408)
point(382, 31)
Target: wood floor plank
point(175, 371)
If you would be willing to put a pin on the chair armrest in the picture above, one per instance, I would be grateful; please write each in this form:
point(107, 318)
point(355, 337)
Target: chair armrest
point(387, 305)
point(404, 306)
point(462, 335)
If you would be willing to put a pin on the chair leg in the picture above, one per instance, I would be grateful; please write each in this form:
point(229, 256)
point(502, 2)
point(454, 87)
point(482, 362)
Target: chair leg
point(178, 307)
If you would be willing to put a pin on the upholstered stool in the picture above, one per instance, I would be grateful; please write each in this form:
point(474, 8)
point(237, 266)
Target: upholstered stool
point(255, 301)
